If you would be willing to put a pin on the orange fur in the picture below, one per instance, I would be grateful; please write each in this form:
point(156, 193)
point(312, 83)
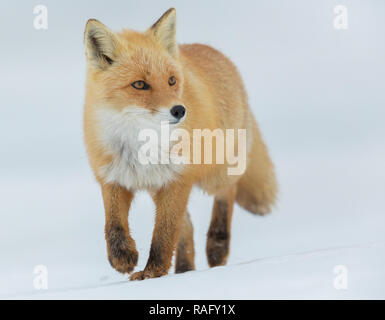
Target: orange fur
point(212, 91)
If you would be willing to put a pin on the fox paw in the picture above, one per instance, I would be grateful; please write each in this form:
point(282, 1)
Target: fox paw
point(147, 274)
point(122, 253)
point(125, 262)
point(217, 248)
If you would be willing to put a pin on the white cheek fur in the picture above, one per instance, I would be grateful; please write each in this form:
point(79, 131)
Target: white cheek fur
point(118, 132)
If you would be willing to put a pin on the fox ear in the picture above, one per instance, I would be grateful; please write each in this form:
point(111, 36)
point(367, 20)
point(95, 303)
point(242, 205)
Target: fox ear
point(164, 30)
point(100, 44)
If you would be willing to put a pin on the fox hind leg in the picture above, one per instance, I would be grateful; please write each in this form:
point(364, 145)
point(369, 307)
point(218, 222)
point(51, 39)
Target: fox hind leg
point(218, 236)
point(185, 254)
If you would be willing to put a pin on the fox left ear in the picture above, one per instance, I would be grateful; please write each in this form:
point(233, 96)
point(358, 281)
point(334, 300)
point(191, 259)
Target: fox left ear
point(101, 44)
point(164, 31)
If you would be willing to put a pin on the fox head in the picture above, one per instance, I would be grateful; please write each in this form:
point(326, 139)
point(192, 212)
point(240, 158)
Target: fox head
point(136, 73)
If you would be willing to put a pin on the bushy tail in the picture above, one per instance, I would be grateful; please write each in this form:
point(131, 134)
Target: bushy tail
point(257, 189)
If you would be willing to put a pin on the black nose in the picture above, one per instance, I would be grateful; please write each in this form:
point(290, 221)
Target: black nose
point(178, 111)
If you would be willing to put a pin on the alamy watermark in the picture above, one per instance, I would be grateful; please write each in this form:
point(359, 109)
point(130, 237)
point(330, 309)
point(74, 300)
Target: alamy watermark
point(340, 21)
point(40, 281)
point(40, 20)
point(340, 281)
point(177, 147)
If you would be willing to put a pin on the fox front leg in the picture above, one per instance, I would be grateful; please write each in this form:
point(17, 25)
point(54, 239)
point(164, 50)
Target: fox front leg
point(121, 249)
point(171, 202)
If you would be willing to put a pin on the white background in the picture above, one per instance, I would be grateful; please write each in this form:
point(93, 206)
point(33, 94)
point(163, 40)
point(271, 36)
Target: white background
point(318, 94)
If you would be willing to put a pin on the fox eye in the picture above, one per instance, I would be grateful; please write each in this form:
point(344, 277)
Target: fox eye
point(140, 85)
point(171, 81)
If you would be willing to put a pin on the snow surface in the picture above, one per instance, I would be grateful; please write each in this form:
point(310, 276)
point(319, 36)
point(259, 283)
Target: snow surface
point(319, 96)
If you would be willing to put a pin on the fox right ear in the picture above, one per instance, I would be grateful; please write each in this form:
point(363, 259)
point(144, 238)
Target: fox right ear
point(100, 43)
point(164, 31)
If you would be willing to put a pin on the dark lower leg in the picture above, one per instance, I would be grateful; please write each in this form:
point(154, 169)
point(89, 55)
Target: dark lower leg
point(185, 253)
point(218, 236)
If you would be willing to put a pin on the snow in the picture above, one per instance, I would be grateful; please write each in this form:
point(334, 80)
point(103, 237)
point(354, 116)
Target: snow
point(318, 95)
point(309, 272)
point(289, 254)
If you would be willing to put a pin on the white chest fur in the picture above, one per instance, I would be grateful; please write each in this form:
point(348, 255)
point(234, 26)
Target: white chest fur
point(118, 132)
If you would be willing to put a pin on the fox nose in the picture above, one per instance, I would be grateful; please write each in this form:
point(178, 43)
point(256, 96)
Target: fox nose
point(178, 111)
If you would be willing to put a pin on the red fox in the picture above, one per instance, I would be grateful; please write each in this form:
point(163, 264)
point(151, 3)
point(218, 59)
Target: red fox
point(137, 80)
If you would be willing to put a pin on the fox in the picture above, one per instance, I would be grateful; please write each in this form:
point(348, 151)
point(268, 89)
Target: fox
point(137, 80)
